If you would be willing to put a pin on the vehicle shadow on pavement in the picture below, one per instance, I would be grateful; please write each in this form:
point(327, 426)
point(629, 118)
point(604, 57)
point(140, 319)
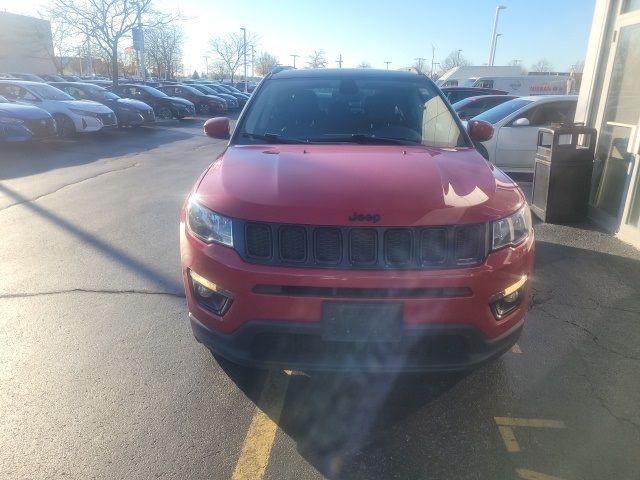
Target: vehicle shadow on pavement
point(24, 159)
point(584, 324)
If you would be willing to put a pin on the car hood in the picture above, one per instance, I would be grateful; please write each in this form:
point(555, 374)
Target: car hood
point(326, 184)
point(22, 112)
point(179, 100)
point(130, 103)
point(88, 105)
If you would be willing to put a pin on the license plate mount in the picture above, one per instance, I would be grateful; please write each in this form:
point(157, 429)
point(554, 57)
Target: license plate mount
point(361, 321)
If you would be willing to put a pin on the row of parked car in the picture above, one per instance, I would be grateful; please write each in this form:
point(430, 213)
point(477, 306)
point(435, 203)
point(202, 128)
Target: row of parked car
point(515, 120)
point(32, 110)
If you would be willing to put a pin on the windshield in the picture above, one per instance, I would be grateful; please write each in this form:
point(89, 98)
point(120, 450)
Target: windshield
point(204, 89)
point(154, 92)
point(191, 90)
point(47, 92)
point(101, 93)
point(345, 108)
point(495, 114)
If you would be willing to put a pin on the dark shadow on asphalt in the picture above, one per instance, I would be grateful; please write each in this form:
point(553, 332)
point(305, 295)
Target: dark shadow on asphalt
point(24, 159)
point(148, 272)
point(366, 426)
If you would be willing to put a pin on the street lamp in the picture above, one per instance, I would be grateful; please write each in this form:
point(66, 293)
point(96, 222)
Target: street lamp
point(495, 47)
point(244, 34)
point(294, 59)
point(492, 51)
point(387, 64)
point(458, 62)
point(206, 59)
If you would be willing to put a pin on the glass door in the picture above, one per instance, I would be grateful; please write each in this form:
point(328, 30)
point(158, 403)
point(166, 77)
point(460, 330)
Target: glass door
point(616, 162)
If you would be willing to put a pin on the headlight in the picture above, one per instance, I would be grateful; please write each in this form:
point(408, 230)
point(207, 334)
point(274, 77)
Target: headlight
point(209, 226)
point(11, 121)
point(84, 113)
point(511, 230)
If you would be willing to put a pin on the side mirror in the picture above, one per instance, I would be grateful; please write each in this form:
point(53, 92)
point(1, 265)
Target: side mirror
point(479, 131)
point(217, 127)
point(521, 122)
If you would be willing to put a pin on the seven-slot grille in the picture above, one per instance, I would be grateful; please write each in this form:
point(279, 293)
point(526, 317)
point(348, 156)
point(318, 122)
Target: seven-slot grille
point(367, 247)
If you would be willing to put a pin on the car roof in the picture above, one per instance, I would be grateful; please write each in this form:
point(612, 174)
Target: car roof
point(548, 98)
point(24, 83)
point(484, 97)
point(344, 72)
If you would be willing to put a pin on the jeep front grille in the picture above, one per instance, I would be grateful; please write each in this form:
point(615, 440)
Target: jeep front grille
point(363, 247)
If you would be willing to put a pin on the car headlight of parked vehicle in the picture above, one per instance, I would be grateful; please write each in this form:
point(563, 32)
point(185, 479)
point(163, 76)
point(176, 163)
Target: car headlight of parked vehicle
point(84, 113)
point(511, 230)
point(209, 226)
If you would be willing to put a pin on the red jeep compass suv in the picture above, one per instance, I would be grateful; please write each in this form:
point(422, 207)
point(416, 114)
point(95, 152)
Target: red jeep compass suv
point(351, 224)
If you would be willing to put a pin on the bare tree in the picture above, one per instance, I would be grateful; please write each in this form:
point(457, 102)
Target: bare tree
point(108, 22)
point(542, 65)
point(517, 63)
point(265, 63)
point(163, 49)
point(317, 59)
point(454, 59)
point(219, 70)
point(65, 46)
point(230, 50)
point(420, 65)
point(364, 64)
point(578, 67)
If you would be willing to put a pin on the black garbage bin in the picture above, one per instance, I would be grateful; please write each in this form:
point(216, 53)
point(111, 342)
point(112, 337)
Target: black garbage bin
point(562, 173)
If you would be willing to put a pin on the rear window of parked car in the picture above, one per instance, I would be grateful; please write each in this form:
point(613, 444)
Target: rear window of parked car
point(496, 114)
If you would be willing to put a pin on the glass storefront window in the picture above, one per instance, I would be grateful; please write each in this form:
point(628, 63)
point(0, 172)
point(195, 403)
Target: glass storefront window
point(630, 6)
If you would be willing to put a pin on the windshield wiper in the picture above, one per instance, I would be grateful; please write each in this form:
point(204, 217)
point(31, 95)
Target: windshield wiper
point(363, 138)
point(272, 138)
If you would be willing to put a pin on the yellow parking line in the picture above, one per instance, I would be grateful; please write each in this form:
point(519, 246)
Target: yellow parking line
point(509, 439)
point(516, 349)
point(531, 475)
point(254, 456)
point(529, 422)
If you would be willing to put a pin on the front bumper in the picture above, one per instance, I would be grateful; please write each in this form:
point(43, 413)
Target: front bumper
point(282, 328)
point(289, 345)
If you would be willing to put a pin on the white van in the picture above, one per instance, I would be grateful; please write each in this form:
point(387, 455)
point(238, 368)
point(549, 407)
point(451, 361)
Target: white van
point(467, 75)
point(526, 85)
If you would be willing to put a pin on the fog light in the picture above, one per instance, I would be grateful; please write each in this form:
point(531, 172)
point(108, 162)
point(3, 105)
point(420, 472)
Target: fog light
point(210, 295)
point(508, 300)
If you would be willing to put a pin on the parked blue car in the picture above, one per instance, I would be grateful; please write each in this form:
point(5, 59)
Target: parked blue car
point(20, 123)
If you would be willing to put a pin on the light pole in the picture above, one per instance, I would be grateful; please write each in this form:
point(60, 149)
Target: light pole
point(492, 51)
point(495, 47)
point(387, 64)
point(244, 34)
point(433, 58)
point(206, 59)
point(420, 63)
point(458, 61)
point(253, 54)
point(294, 59)
point(339, 61)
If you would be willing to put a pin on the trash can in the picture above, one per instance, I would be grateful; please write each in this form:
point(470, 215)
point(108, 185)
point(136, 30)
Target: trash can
point(562, 173)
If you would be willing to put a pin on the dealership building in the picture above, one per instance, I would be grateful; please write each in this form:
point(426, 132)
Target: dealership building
point(610, 101)
point(25, 44)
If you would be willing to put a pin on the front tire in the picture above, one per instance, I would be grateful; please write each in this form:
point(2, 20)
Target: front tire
point(64, 126)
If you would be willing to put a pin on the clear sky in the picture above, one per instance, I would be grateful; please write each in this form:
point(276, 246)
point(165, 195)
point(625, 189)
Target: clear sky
point(379, 31)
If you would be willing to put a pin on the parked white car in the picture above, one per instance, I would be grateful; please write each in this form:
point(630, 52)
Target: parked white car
point(516, 124)
point(71, 115)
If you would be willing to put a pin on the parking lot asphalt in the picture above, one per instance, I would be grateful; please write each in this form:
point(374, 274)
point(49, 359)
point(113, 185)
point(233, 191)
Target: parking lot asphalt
point(100, 376)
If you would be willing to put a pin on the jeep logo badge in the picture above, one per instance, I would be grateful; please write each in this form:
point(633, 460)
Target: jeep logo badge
point(365, 217)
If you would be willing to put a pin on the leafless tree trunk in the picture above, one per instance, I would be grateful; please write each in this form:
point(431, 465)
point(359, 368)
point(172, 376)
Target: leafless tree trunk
point(230, 50)
point(264, 63)
point(106, 21)
point(542, 65)
point(317, 59)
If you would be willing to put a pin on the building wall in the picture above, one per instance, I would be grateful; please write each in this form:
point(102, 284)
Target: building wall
point(25, 44)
